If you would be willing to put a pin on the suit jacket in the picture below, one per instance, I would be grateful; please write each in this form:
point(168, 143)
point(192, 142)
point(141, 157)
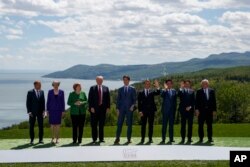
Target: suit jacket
point(35, 105)
point(74, 109)
point(55, 103)
point(186, 99)
point(202, 104)
point(147, 103)
point(94, 97)
point(126, 100)
point(169, 101)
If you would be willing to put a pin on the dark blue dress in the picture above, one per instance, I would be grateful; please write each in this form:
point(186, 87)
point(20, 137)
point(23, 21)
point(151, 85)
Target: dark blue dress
point(55, 107)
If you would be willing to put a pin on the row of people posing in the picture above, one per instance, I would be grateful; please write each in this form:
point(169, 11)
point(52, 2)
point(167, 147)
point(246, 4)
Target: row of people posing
point(55, 107)
point(99, 104)
point(203, 102)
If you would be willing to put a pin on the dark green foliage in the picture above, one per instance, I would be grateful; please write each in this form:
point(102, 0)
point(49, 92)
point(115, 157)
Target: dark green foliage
point(233, 102)
point(232, 86)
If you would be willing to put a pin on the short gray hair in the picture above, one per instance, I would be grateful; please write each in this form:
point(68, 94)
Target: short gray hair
point(205, 80)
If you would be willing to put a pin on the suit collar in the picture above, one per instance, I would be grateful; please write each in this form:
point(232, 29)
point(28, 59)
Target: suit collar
point(126, 87)
point(34, 93)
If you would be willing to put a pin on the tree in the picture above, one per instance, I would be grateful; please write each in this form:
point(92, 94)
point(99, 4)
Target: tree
point(233, 101)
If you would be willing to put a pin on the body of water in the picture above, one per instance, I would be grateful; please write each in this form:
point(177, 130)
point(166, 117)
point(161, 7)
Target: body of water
point(14, 87)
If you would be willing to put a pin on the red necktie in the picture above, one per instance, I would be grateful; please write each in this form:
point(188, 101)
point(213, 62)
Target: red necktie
point(99, 95)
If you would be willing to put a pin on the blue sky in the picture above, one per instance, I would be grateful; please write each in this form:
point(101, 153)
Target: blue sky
point(54, 35)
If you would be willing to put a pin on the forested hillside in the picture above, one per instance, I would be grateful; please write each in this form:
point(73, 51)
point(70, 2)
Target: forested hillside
point(232, 86)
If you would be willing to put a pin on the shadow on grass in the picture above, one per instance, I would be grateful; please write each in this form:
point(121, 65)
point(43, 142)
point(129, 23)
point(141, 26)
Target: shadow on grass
point(144, 144)
point(119, 144)
point(163, 144)
point(127, 143)
point(185, 144)
point(48, 145)
point(70, 145)
point(24, 146)
point(140, 144)
point(92, 144)
point(203, 144)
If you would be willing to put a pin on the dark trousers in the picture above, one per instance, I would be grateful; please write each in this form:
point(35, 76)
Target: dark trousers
point(187, 117)
point(32, 121)
point(77, 127)
point(147, 117)
point(129, 118)
point(208, 117)
point(98, 119)
point(167, 118)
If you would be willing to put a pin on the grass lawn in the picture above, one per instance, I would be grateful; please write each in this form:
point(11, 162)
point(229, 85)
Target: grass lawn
point(129, 164)
point(235, 135)
point(17, 144)
point(227, 135)
point(219, 130)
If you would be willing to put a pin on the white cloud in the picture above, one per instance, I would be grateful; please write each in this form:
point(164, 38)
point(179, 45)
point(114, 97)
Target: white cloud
point(238, 17)
point(7, 58)
point(215, 4)
point(15, 31)
point(239, 23)
point(4, 49)
point(13, 37)
point(31, 8)
point(12, 33)
point(121, 31)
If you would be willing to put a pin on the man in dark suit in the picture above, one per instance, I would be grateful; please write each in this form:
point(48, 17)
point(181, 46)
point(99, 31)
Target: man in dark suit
point(147, 108)
point(186, 108)
point(205, 106)
point(99, 105)
point(181, 88)
point(35, 104)
point(169, 97)
point(126, 101)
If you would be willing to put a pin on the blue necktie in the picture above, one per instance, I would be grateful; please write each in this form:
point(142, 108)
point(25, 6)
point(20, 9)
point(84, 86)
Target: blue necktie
point(170, 92)
point(126, 90)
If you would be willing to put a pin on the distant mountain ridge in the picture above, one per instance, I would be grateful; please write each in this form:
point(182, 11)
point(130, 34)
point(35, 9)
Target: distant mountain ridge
point(140, 72)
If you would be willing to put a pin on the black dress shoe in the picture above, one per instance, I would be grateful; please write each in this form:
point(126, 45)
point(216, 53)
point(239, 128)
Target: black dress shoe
point(210, 141)
point(172, 141)
point(162, 142)
point(169, 142)
point(117, 141)
point(182, 142)
point(190, 141)
point(41, 142)
point(150, 141)
point(101, 141)
point(142, 141)
point(129, 142)
point(31, 142)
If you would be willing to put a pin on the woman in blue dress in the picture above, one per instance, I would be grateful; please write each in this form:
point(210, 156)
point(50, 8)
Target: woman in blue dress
point(55, 110)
